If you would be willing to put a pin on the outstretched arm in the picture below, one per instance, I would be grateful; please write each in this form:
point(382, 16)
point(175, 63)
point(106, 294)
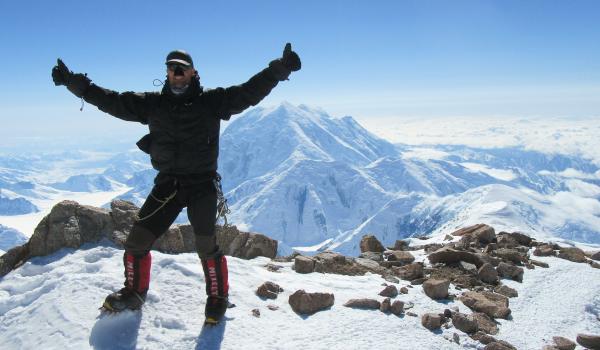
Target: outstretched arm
point(235, 99)
point(128, 106)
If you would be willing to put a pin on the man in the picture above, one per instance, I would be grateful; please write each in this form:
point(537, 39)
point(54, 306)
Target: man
point(183, 143)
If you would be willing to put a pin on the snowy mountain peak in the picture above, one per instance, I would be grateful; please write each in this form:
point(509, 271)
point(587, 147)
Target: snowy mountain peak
point(264, 139)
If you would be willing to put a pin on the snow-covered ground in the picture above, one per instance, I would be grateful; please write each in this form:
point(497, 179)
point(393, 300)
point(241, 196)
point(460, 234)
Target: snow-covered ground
point(51, 303)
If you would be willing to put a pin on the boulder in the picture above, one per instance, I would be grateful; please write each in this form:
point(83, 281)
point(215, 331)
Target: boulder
point(448, 255)
point(304, 264)
point(544, 250)
point(371, 265)
point(331, 262)
point(400, 245)
point(539, 263)
point(431, 321)
point(13, 258)
point(499, 345)
point(485, 323)
point(397, 307)
point(385, 306)
point(375, 256)
point(562, 343)
point(244, 245)
point(370, 243)
point(269, 290)
point(466, 230)
point(506, 291)
point(510, 271)
point(403, 257)
point(465, 323)
point(409, 272)
point(589, 341)
point(595, 256)
point(178, 239)
point(572, 254)
point(364, 303)
point(468, 267)
point(436, 288)
point(511, 255)
point(308, 303)
point(69, 225)
point(482, 337)
point(491, 304)
point(389, 291)
point(488, 274)
point(124, 214)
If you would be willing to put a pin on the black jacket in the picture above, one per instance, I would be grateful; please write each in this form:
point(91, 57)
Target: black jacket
point(184, 130)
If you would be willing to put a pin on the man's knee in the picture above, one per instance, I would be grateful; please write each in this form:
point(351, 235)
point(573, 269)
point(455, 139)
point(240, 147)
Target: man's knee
point(206, 246)
point(139, 241)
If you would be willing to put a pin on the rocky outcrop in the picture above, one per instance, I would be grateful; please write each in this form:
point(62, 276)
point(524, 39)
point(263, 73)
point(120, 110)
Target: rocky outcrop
point(69, 225)
point(409, 272)
point(510, 271)
point(589, 341)
point(448, 255)
point(431, 321)
point(309, 303)
point(466, 323)
point(572, 254)
point(390, 291)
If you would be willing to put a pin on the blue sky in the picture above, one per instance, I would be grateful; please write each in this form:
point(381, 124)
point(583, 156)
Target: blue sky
point(368, 59)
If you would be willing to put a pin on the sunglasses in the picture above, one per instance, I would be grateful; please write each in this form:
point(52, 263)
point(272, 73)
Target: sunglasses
point(175, 66)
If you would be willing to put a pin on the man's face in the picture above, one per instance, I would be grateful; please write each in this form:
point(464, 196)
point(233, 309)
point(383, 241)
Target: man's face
point(180, 75)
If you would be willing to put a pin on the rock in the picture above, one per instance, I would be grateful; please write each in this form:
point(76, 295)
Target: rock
point(69, 225)
point(386, 276)
point(409, 272)
point(511, 255)
point(178, 239)
point(269, 290)
point(456, 338)
point(499, 345)
point(488, 303)
point(389, 291)
point(401, 256)
point(448, 255)
point(256, 312)
point(465, 323)
point(375, 256)
point(400, 245)
point(562, 343)
point(482, 337)
point(272, 307)
point(572, 254)
point(466, 230)
point(370, 265)
point(506, 291)
point(488, 274)
point(364, 303)
point(595, 256)
point(385, 306)
point(484, 234)
point(13, 258)
point(431, 321)
point(468, 267)
point(404, 290)
point(124, 214)
point(594, 264)
point(436, 289)
point(244, 245)
point(539, 263)
point(544, 250)
point(432, 247)
point(308, 303)
point(370, 243)
point(397, 307)
point(510, 271)
point(589, 341)
point(411, 314)
point(331, 262)
point(514, 239)
point(273, 267)
point(448, 238)
point(485, 323)
point(304, 264)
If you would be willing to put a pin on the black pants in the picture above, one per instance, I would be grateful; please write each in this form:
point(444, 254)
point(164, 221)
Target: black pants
point(170, 194)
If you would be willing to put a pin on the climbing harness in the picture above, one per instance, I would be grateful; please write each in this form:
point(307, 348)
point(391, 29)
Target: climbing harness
point(163, 203)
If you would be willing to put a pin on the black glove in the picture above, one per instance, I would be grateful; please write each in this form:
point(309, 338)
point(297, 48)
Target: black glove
point(291, 59)
point(289, 62)
point(77, 83)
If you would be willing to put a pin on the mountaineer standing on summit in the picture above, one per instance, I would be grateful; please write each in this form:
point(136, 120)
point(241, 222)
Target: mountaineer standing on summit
point(183, 143)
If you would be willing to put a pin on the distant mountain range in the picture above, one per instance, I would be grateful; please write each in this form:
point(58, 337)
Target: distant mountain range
point(315, 182)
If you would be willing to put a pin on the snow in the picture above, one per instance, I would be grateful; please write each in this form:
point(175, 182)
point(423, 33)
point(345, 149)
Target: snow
point(52, 301)
point(500, 174)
